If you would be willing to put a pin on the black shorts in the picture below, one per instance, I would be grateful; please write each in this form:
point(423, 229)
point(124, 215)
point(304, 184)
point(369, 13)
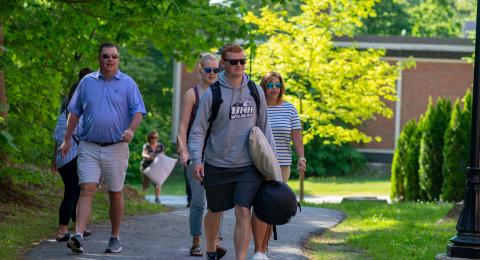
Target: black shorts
point(227, 187)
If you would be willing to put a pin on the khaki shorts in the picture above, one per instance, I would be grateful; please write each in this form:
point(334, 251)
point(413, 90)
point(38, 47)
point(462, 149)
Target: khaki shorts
point(109, 163)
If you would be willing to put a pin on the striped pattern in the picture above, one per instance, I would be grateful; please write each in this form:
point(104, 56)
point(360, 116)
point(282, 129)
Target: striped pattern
point(60, 129)
point(283, 119)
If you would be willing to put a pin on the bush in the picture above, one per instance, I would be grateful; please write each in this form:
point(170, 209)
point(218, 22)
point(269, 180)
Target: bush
point(412, 188)
point(431, 147)
point(399, 167)
point(456, 151)
point(329, 159)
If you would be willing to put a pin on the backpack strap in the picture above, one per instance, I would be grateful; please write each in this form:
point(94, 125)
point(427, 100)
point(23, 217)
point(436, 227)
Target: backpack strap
point(193, 113)
point(254, 93)
point(216, 102)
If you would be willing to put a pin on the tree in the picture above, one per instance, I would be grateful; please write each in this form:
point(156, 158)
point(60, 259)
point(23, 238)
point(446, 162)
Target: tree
point(340, 87)
point(391, 18)
point(431, 147)
point(49, 41)
point(412, 188)
point(399, 174)
point(456, 150)
point(429, 18)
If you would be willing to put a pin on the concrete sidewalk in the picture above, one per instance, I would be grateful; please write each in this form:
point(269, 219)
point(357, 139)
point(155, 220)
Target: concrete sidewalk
point(166, 236)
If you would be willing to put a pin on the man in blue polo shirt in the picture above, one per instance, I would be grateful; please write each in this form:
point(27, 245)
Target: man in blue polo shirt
point(112, 108)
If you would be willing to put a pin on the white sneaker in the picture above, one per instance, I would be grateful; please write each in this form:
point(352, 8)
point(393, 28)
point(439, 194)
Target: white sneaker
point(259, 256)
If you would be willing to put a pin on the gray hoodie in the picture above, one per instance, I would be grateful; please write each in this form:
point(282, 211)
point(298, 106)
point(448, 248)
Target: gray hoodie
point(227, 145)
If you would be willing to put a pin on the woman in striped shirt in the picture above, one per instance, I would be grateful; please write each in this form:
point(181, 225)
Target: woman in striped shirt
point(285, 124)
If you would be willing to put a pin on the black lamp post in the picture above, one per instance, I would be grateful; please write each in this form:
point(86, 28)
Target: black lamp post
point(466, 244)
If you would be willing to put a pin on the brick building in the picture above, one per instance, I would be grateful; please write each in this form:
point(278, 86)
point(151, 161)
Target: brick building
point(440, 71)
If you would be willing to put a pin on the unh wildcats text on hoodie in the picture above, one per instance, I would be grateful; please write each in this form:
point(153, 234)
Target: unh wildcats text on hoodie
point(227, 145)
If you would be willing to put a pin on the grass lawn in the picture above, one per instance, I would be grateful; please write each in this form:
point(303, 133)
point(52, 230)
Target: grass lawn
point(381, 231)
point(29, 202)
point(344, 186)
point(318, 186)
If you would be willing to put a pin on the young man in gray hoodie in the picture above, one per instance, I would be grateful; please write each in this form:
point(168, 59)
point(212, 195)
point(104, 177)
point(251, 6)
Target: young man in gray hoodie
point(227, 171)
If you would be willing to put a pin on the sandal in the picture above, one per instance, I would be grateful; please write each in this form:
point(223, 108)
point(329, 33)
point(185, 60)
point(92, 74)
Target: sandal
point(195, 250)
point(221, 251)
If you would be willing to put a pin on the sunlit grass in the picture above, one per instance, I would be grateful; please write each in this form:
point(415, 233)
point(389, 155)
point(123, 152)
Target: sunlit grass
point(380, 231)
point(344, 186)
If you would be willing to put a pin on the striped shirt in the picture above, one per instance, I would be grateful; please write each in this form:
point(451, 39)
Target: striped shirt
point(60, 129)
point(283, 119)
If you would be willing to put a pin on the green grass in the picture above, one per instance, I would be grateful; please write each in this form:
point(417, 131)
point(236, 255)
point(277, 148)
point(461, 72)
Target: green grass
point(318, 186)
point(31, 215)
point(379, 231)
point(344, 186)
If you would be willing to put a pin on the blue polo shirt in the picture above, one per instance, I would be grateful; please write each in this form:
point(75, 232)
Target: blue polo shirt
point(107, 106)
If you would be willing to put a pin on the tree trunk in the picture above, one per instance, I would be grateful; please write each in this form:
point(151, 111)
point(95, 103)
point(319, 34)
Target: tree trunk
point(3, 93)
point(4, 159)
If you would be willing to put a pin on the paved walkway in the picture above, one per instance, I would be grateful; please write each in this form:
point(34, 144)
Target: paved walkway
point(166, 236)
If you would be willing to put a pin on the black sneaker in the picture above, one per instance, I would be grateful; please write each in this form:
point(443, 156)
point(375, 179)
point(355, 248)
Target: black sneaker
point(75, 243)
point(113, 245)
point(221, 251)
point(87, 232)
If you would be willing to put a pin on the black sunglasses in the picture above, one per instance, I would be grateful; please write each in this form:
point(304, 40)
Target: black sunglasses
point(106, 56)
point(278, 85)
point(235, 62)
point(209, 70)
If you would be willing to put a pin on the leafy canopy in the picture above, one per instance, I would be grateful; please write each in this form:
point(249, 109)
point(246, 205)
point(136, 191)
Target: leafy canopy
point(339, 88)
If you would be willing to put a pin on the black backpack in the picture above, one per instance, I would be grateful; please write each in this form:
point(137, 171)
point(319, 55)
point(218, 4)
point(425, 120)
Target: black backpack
point(217, 101)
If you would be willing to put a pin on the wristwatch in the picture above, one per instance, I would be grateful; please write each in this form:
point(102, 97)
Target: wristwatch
point(303, 159)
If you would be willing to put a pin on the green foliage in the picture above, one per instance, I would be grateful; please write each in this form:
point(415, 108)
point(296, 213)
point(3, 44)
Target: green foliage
point(340, 88)
point(429, 18)
point(330, 159)
point(391, 17)
point(431, 146)
point(412, 189)
point(456, 150)
point(47, 42)
point(399, 167)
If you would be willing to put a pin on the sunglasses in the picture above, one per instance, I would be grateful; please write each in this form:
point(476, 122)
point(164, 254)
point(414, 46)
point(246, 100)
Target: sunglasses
point(106, 56)
point(209, 70)
point(270, 85)
point(153, 137)
point(235, 62)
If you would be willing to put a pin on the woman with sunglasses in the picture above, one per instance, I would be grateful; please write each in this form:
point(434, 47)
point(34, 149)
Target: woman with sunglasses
point(285, 123)
point(149, 151)
point(208, 70)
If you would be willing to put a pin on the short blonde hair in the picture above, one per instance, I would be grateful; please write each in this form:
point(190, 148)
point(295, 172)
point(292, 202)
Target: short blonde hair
point(204, 57)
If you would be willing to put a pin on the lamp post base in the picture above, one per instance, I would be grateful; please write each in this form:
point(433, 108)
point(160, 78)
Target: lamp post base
point(463, 250)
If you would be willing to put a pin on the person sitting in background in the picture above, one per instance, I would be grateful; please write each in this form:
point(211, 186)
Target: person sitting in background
point(149, 151)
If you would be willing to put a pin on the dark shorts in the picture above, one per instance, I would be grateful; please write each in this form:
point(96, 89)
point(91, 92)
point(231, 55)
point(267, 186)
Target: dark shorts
point(227, 187)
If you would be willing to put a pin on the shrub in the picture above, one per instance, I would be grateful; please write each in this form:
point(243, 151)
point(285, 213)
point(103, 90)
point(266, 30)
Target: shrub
point(329, 159)
point(412, 188)
point(456, 151)
point(431, 146)
point(399, 167)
